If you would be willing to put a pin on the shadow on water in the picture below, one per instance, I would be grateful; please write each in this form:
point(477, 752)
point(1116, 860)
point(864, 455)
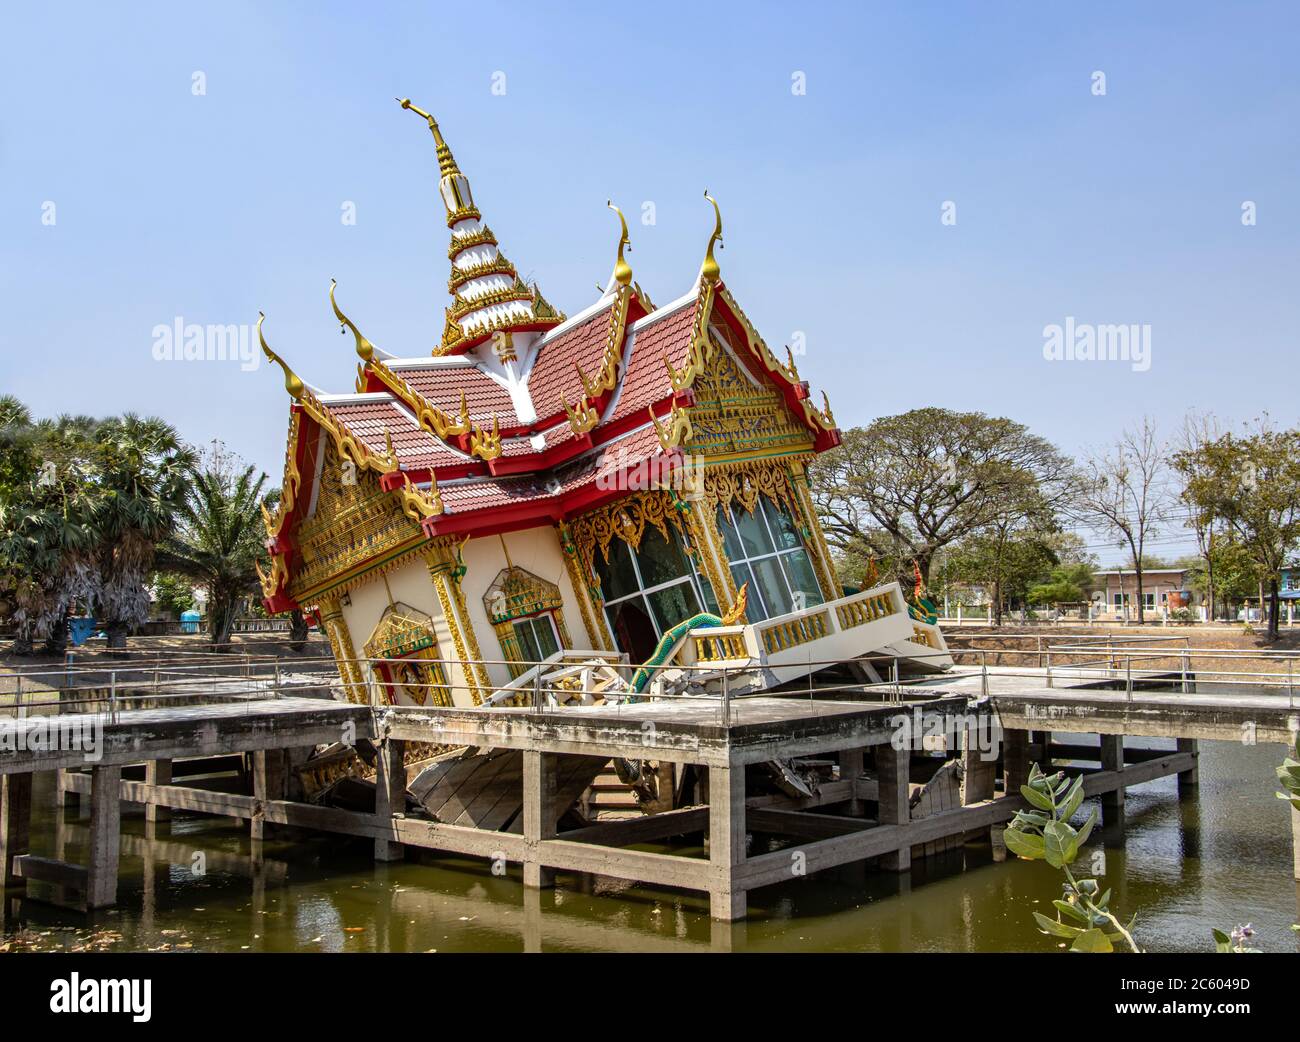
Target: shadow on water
point(1219, 856)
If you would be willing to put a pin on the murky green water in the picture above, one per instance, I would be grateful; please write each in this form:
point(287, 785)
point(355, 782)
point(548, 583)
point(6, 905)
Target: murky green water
point(1218, 857)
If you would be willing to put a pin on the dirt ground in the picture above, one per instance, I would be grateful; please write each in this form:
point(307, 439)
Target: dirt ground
point(93, 663)
point(1149, 647)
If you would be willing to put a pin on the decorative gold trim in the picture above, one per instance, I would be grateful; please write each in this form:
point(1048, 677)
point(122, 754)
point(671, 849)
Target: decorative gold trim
point(289, 487)
point(479, 237)
point(416, 504)
point(622, 270)
point(606, 378)
point(517, 594)
point(823, 563)
point(441, 561)
point(345, 655)
point(583, 582)
point(677, 430)
point(709, 270)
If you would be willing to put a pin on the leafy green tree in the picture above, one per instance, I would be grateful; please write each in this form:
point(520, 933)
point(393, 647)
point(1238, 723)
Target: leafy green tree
point(47, 540)
point(905, 487)
point(141, 483)
point(174, 593)
point(1006, 562)
point(219, 540)
point(1067, 583)
point(1251, 483)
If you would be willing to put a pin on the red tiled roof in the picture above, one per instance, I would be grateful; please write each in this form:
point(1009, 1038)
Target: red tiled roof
point(646, 379)
point(553, 377)
point(442, 384)
point(493, 493)
point(369, 418)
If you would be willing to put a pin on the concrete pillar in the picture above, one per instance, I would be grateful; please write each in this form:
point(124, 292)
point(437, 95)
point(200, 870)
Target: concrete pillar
point(893, 767)
point(540, 814)
point(1015, 761)
point(390, 794)
point(726, 841)
point(979, 769)
point(15, 823)
point(268, 784)
point(1295, 842)
point(1192, 778)
point(1112, 759)
point(851, 771)
point(157, 772)
point(65, 796)
point(105, 829)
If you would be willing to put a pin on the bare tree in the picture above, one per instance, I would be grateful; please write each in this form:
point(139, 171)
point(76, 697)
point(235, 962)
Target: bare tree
point(1125, 493)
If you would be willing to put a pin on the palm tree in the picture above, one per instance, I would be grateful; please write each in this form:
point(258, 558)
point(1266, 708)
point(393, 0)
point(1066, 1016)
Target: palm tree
point(219, 539)
point(47, 488)
point(142, 471)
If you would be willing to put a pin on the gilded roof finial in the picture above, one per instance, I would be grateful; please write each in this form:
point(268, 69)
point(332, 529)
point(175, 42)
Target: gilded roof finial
point(446, 161)
point(364, 347)
point(709, 270)
point(622, 270)
point(291, 382)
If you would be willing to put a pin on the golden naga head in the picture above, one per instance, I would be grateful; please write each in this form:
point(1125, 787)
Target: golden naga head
point(292, 383)
point(622, 270)
point(709, 271)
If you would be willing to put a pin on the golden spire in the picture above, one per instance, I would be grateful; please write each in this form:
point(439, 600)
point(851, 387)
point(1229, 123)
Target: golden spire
point(709, 270)
point(291, 382)
point(364, 347)
point(622, 270)
point(446, 161)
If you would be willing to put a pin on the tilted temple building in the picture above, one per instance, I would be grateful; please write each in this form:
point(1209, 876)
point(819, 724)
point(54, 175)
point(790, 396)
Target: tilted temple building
point(540, 484)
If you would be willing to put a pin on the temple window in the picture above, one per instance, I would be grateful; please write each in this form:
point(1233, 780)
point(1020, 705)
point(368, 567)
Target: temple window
point(525, 611)
point(650, 589)
point(537, 637)
point(764, 549)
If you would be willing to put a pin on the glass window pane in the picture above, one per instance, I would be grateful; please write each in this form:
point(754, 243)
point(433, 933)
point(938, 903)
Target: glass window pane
point(782, 525)
point(772, 582)
point(706, 589)
point(544, 629)
point(661, 561)
point(753, 533)
point(755, 609)
point(617, 576)
point(730, 540)
point(802, 578)
point(673, 604)
point(527, 642)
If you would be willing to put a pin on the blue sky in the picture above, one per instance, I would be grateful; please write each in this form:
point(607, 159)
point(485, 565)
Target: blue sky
point(1119, 208)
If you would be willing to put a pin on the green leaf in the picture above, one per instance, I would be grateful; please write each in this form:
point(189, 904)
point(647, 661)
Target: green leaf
point(1222, 942)
point(1036, 798)
point(1024, 844)
point(1072, 800)
point(1086, 830)
point(1074, 911)
point(1060, 843)
point(1093, 940)
point(1055, 929)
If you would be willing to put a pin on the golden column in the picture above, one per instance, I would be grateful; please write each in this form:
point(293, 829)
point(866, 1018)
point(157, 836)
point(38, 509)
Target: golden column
point(345, 655)
point(821, 553)
point(443, 567)
point(593, 616)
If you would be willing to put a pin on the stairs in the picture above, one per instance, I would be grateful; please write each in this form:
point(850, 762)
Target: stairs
point(608, 798)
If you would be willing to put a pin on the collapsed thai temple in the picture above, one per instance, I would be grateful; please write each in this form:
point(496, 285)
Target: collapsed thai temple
point(625, 486)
